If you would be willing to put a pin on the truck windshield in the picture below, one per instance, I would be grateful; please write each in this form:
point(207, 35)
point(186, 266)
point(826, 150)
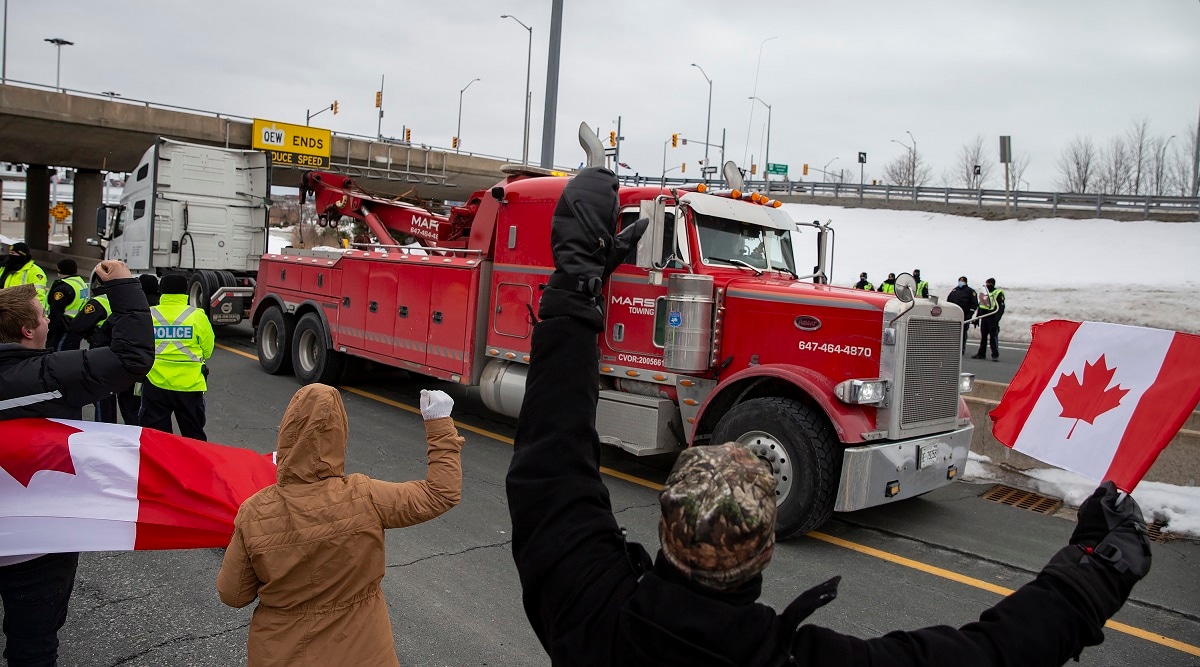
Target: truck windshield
point(725, 242)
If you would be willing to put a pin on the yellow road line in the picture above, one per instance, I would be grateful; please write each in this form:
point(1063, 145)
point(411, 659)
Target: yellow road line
point(837, 541)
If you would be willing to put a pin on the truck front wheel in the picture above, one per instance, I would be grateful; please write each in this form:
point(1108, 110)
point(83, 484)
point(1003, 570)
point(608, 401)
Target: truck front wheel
point(311, 359)
point(799, 445)
point(274, 340)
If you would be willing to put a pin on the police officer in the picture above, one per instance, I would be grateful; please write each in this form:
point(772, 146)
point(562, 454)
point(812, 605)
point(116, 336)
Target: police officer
point(92, 325)
point(863, 283)
point(889, 285)
point(922, 286)
point(991, 309)
point(67, 296)
point(20, 269)
point(183, 340)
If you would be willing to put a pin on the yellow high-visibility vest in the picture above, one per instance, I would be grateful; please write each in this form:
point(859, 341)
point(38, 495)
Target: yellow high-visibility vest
point(183, 340)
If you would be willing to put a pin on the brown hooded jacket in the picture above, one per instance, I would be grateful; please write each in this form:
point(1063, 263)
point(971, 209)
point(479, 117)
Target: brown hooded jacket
point(310, 547)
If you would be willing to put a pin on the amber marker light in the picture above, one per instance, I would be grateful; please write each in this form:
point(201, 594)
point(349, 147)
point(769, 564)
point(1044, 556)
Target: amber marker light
point(702, 188)
point(736, 194)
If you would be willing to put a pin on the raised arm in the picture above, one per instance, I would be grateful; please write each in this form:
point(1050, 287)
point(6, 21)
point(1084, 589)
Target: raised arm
point(403, 504)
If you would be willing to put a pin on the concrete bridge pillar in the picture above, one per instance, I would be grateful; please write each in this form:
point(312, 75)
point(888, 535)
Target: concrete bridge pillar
point(89, 196)
point(37, 207)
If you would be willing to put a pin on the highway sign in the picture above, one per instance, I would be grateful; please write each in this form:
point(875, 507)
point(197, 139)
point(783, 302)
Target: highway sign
point(777, 169)
point(60, 212)
point(295, 145)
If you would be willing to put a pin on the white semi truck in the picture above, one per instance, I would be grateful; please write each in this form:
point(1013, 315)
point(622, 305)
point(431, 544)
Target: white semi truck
point(197, 210)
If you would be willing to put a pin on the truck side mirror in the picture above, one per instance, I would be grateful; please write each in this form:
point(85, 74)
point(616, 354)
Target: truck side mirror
point(102, 222)
point(906, 287)
point(650, 248)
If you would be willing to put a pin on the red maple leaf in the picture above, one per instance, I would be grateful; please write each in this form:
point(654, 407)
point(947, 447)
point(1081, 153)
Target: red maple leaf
point(1091, 398)
point(31, 445)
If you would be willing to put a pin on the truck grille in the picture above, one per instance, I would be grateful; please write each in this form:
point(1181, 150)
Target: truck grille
point(931, 368)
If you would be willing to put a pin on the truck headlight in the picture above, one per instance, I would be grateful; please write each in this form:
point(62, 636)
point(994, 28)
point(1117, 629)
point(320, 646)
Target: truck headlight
point(966, 382)
point(862, 392)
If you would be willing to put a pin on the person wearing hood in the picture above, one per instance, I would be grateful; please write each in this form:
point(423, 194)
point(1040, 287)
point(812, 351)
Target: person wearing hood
point(595, 598)
point(888, 286)
point(20, 269)
point(310, 547)
point(863, 283)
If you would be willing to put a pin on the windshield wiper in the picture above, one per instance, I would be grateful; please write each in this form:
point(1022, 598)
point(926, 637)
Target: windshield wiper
point(737, 262)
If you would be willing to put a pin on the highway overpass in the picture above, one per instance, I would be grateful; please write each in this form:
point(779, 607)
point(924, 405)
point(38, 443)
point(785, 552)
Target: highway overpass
point(90, 133)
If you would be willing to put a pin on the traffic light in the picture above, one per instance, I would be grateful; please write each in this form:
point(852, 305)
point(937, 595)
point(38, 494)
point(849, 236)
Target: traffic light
point(675, 140)
point(805, 171)
point(408, 135)
point(753, 169)
point(683, 168)
point(612, 138)
point(454, 142)
point(333, 107)
point(379, 99)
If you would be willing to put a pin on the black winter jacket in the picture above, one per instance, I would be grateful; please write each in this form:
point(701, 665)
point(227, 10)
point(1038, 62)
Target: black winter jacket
point(41, 383)
point(595, 599)
point(964, 297)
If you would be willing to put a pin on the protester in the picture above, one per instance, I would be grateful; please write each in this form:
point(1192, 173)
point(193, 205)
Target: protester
point(964, 297)
point(36, 382)
point(20, 269)
point(863, 283)
point(593, 598)
point(888, 286)
point(129, 400)
point(67, 295)
point(92, 325)
point(184, 340)
point(991, 309)
point(310, 547)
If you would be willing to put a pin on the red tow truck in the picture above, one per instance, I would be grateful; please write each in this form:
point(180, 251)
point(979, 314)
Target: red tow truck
point(711, 335)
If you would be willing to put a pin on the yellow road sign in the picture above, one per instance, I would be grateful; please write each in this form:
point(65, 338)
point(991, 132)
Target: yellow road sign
point(60, 212)
point(289, 144)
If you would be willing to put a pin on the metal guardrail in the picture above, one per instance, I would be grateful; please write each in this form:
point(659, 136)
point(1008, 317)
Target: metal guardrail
point(1099, 203)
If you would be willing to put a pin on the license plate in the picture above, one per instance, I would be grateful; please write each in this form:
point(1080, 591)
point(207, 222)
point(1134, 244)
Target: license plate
point(928, 455)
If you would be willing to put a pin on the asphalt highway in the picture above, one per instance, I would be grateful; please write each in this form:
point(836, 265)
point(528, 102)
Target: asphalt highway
point(453, 593)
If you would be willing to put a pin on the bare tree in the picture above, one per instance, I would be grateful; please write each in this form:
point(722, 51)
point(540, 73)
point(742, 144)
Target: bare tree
point(1137, 147)
point(1076, 165)
point(1016, 170)
point(1158, 169)
point(971, 155)
point(908, 170)
point(1115, 175)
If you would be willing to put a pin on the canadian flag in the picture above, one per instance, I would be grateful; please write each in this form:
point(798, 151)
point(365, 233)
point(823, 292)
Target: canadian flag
point(1101, 400)
point(87, 486)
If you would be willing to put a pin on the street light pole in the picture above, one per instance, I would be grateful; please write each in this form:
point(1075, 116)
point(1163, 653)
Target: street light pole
point(528, 94)
point(913, 158)
point(912, 177)
point(58, 42)
point(757, 68)
point(458, 132)
point(767, 158)
point(824, 170)
point(707, 123)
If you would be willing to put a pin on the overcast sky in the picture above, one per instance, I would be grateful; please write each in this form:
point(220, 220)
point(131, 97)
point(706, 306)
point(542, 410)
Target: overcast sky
point(841, 77)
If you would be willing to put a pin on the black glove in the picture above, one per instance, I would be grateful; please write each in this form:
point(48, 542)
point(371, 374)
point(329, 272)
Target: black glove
point(1108, 554)
point(585, 248)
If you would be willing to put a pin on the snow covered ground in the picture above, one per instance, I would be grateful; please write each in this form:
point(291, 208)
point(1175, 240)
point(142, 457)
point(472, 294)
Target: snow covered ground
point(1138, 273)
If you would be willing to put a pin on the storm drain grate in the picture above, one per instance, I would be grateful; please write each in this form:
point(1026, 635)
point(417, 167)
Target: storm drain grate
point(1007, 495)
point(1154, 531)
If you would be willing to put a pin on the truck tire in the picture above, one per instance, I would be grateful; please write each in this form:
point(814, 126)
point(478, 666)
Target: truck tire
point(201, 285)
point(799, 445)
point(273, 338)
point(312, 361)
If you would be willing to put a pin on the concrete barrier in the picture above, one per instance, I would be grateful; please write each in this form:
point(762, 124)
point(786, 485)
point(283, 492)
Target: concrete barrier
point(1178, 464)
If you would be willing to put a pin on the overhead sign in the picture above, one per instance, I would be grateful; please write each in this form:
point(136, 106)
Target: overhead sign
point(60, 212)
point(777, 169)
point(295, 145)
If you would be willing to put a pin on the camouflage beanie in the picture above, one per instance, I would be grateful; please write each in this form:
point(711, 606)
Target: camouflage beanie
point(718, 515)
